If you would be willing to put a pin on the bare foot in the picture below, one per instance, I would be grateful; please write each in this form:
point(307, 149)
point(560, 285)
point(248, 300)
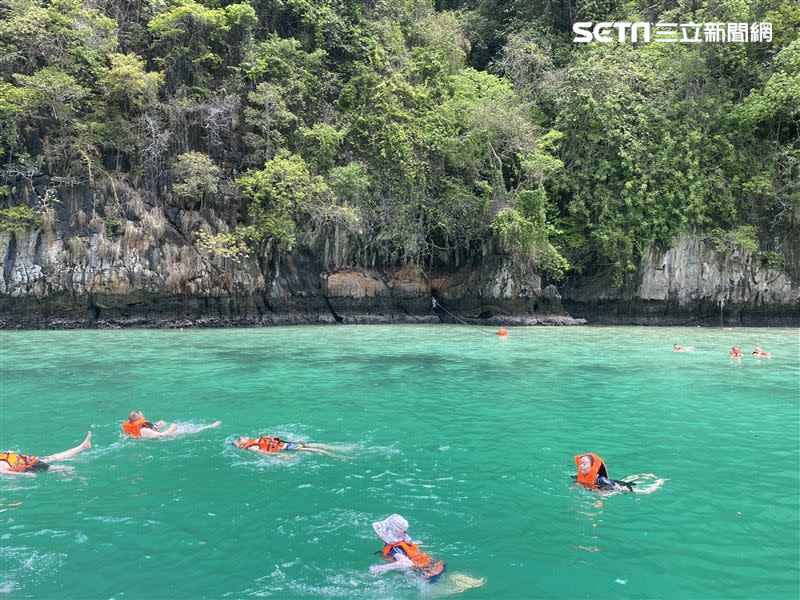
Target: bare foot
point(87, 443)
point(461, 582)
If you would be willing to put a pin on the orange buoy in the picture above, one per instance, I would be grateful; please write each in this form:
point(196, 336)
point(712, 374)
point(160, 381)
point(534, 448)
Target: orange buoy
point(502, 332)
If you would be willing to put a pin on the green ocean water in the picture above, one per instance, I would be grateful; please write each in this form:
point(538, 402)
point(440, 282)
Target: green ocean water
point(467, 435)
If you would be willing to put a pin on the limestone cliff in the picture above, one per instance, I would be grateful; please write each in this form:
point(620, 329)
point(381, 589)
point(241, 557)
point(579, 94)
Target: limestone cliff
point(691, 282)
point(94, 280)
point(73, 272)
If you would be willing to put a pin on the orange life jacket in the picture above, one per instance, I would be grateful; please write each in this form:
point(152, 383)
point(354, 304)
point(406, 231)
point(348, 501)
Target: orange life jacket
point(598, 468)
point(18, 462)
point(266, 444)
point(424, 564)
point(135, 429)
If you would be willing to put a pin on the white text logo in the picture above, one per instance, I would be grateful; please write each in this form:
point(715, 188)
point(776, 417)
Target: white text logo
point(683, 33)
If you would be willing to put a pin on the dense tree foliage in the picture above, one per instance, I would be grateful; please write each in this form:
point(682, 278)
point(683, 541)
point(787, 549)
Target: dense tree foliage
point(429, 129)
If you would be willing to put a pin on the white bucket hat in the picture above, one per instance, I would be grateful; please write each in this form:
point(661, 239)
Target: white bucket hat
point(392, 529)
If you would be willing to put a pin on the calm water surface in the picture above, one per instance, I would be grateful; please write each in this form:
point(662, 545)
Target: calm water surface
point(467, 435)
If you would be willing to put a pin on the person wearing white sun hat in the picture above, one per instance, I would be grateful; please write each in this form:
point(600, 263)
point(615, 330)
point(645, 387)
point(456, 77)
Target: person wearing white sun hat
point(403, 553)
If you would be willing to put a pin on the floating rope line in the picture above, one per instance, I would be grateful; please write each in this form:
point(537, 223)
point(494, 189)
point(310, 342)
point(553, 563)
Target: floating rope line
point(460, 320)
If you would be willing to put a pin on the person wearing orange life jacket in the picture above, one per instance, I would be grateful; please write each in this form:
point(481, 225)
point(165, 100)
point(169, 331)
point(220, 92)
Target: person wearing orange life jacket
point(402, 552)
point(592, 473)
point(14, 462)
point(735, 352)
point(269, 444)
point(138, 427)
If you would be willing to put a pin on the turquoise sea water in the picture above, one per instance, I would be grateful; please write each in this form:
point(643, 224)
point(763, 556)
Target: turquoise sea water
point(467, 435)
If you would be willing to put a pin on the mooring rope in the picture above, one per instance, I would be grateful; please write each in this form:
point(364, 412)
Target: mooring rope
point(460, 320)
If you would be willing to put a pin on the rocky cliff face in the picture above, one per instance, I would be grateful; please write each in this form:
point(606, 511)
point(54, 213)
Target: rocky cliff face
point(97, 281)
point(64, 279)
point(691, 283)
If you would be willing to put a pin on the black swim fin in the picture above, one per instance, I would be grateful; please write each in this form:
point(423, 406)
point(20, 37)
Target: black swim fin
point(627, 484)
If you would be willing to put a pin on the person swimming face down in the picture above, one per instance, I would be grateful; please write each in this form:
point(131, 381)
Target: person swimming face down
point(268, 444)
point(247, 443)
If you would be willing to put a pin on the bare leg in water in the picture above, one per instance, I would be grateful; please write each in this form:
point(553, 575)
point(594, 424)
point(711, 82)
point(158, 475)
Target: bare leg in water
point(321, 449)
point(85, 445)
point(200, 428)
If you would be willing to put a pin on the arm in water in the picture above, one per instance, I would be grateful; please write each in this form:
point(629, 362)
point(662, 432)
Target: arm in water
point(401, 561)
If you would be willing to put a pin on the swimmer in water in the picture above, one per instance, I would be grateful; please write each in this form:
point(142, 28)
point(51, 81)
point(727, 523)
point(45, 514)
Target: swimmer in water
point(269, 444)
point(759, 353)
point(402, 553)
point(14, 462)
point(138, 427)
point(677, 348)
point(592, 473)
point(735, 352)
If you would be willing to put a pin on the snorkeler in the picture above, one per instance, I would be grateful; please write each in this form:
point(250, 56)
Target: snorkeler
point(137, 426)
point(402, 553)
point(269, 444)
point(592, 473)
point(759, 353)
point(13, 462)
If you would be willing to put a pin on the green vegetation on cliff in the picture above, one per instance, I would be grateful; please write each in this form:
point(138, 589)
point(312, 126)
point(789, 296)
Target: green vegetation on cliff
point(424, 130)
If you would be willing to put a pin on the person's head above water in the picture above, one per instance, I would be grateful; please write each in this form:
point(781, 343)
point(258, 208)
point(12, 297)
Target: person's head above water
point(392, 529)
point(241, 442)
point(135, 416)
point(586, 464)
